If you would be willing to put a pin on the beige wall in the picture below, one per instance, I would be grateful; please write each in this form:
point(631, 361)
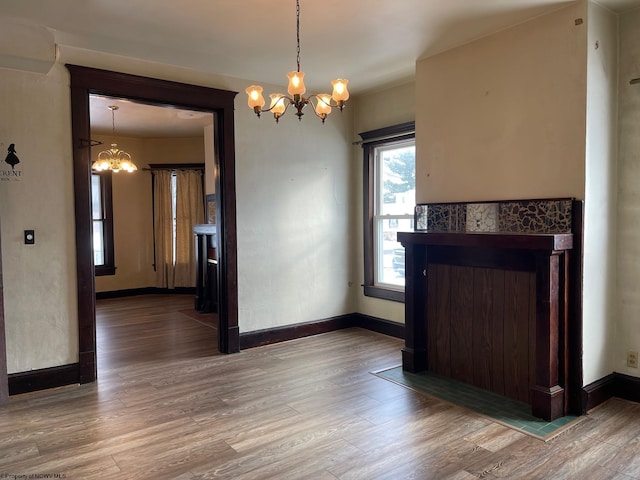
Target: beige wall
point(383, 108)
point(39, 280)
point(373, 110)
point(627, 335)
point(132, 206)
point(504, 117)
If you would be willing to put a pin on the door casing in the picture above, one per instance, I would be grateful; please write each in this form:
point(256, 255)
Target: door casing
point(86, 81)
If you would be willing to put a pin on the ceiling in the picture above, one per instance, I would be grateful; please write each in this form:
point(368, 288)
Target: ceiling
point(140, 120)
point(370, 42)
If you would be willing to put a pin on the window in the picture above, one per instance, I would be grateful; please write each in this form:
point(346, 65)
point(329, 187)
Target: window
point(389, 204)
point(102, 216)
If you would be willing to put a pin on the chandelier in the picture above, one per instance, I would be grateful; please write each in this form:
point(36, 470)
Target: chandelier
point(280, 102)
point(114, 159)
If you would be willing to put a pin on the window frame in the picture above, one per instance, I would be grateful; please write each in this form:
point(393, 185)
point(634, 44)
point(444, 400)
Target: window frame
point(106, 190)
point(370, 141)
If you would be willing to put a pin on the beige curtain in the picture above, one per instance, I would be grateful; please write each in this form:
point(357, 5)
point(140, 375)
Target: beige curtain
point(189, 211)
point(163, 228)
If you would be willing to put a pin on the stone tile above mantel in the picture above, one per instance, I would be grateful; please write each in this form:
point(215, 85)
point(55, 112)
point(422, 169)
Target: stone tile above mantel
point(547, 216)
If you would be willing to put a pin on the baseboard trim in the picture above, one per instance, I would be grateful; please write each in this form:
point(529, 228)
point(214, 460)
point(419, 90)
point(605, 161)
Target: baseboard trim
point(613, 385)
point(627, 387)
point(387, 327)
point(597, 392)
point(131, 292)
point(43, 379)
point(268, 336)
point(299, 330)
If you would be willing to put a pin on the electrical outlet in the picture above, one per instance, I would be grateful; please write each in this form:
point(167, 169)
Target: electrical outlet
point(632, 359)
point(29, 237)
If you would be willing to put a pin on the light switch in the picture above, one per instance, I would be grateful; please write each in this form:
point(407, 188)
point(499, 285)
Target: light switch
point(29, 237)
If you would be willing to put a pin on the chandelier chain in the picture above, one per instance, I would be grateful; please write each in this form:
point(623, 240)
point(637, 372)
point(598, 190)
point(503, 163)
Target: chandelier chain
point(298, 32)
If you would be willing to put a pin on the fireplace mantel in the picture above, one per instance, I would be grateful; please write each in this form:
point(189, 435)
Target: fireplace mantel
point(510, 241)
point(472, 299)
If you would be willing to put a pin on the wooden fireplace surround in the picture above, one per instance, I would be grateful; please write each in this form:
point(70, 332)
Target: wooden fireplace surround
point(455, 284)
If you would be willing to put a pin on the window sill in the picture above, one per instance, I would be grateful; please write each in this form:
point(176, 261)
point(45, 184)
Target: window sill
point(102, 271)
point(384, 293)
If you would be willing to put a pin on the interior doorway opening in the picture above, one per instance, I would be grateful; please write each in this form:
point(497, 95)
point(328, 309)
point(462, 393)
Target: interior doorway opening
point(143, 221)
point(87, 81)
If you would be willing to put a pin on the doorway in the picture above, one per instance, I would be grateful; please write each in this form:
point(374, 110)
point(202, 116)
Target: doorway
point(87, 81)
point(151, 245)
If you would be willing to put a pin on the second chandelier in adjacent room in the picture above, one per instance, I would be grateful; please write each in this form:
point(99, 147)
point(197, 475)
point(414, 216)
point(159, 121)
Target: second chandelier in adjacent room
point(114, 159)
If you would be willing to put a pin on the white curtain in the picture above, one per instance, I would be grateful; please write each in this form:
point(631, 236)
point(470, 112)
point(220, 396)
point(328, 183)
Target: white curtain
point(175, 255)
point(163, 228)
point(189, 211)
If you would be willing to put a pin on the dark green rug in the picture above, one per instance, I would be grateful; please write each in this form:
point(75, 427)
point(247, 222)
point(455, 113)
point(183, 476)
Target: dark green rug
point(508, 412)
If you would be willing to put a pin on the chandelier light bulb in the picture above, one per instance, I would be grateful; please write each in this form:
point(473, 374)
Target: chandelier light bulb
point(340, 92)
point(323, 107)
point(296, 83)
point(277, 106)
point(255, 96)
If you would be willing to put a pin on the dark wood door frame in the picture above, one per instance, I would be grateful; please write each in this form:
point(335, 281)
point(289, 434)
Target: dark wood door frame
point(86, 81)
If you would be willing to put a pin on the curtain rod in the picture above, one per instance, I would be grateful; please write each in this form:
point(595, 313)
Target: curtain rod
point(171, 169)
point(174, 166)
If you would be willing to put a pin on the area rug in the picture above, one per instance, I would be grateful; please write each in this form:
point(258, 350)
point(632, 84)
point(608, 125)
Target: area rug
point(508, 412)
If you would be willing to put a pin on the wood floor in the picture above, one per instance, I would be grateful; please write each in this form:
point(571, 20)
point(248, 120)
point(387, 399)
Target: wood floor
point(167, 407)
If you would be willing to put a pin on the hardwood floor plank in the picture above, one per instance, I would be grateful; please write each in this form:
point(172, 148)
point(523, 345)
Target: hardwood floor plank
point(299, 427)
point(626, 460)
point(13, 450)
point(585, 456)
point(494, 437)
point(178, 456)
point(284, 463)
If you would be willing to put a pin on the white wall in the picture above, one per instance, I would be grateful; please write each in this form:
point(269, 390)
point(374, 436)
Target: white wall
point(293, 190)
point(628, 227)
point(374, 110)
point(598, 320)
